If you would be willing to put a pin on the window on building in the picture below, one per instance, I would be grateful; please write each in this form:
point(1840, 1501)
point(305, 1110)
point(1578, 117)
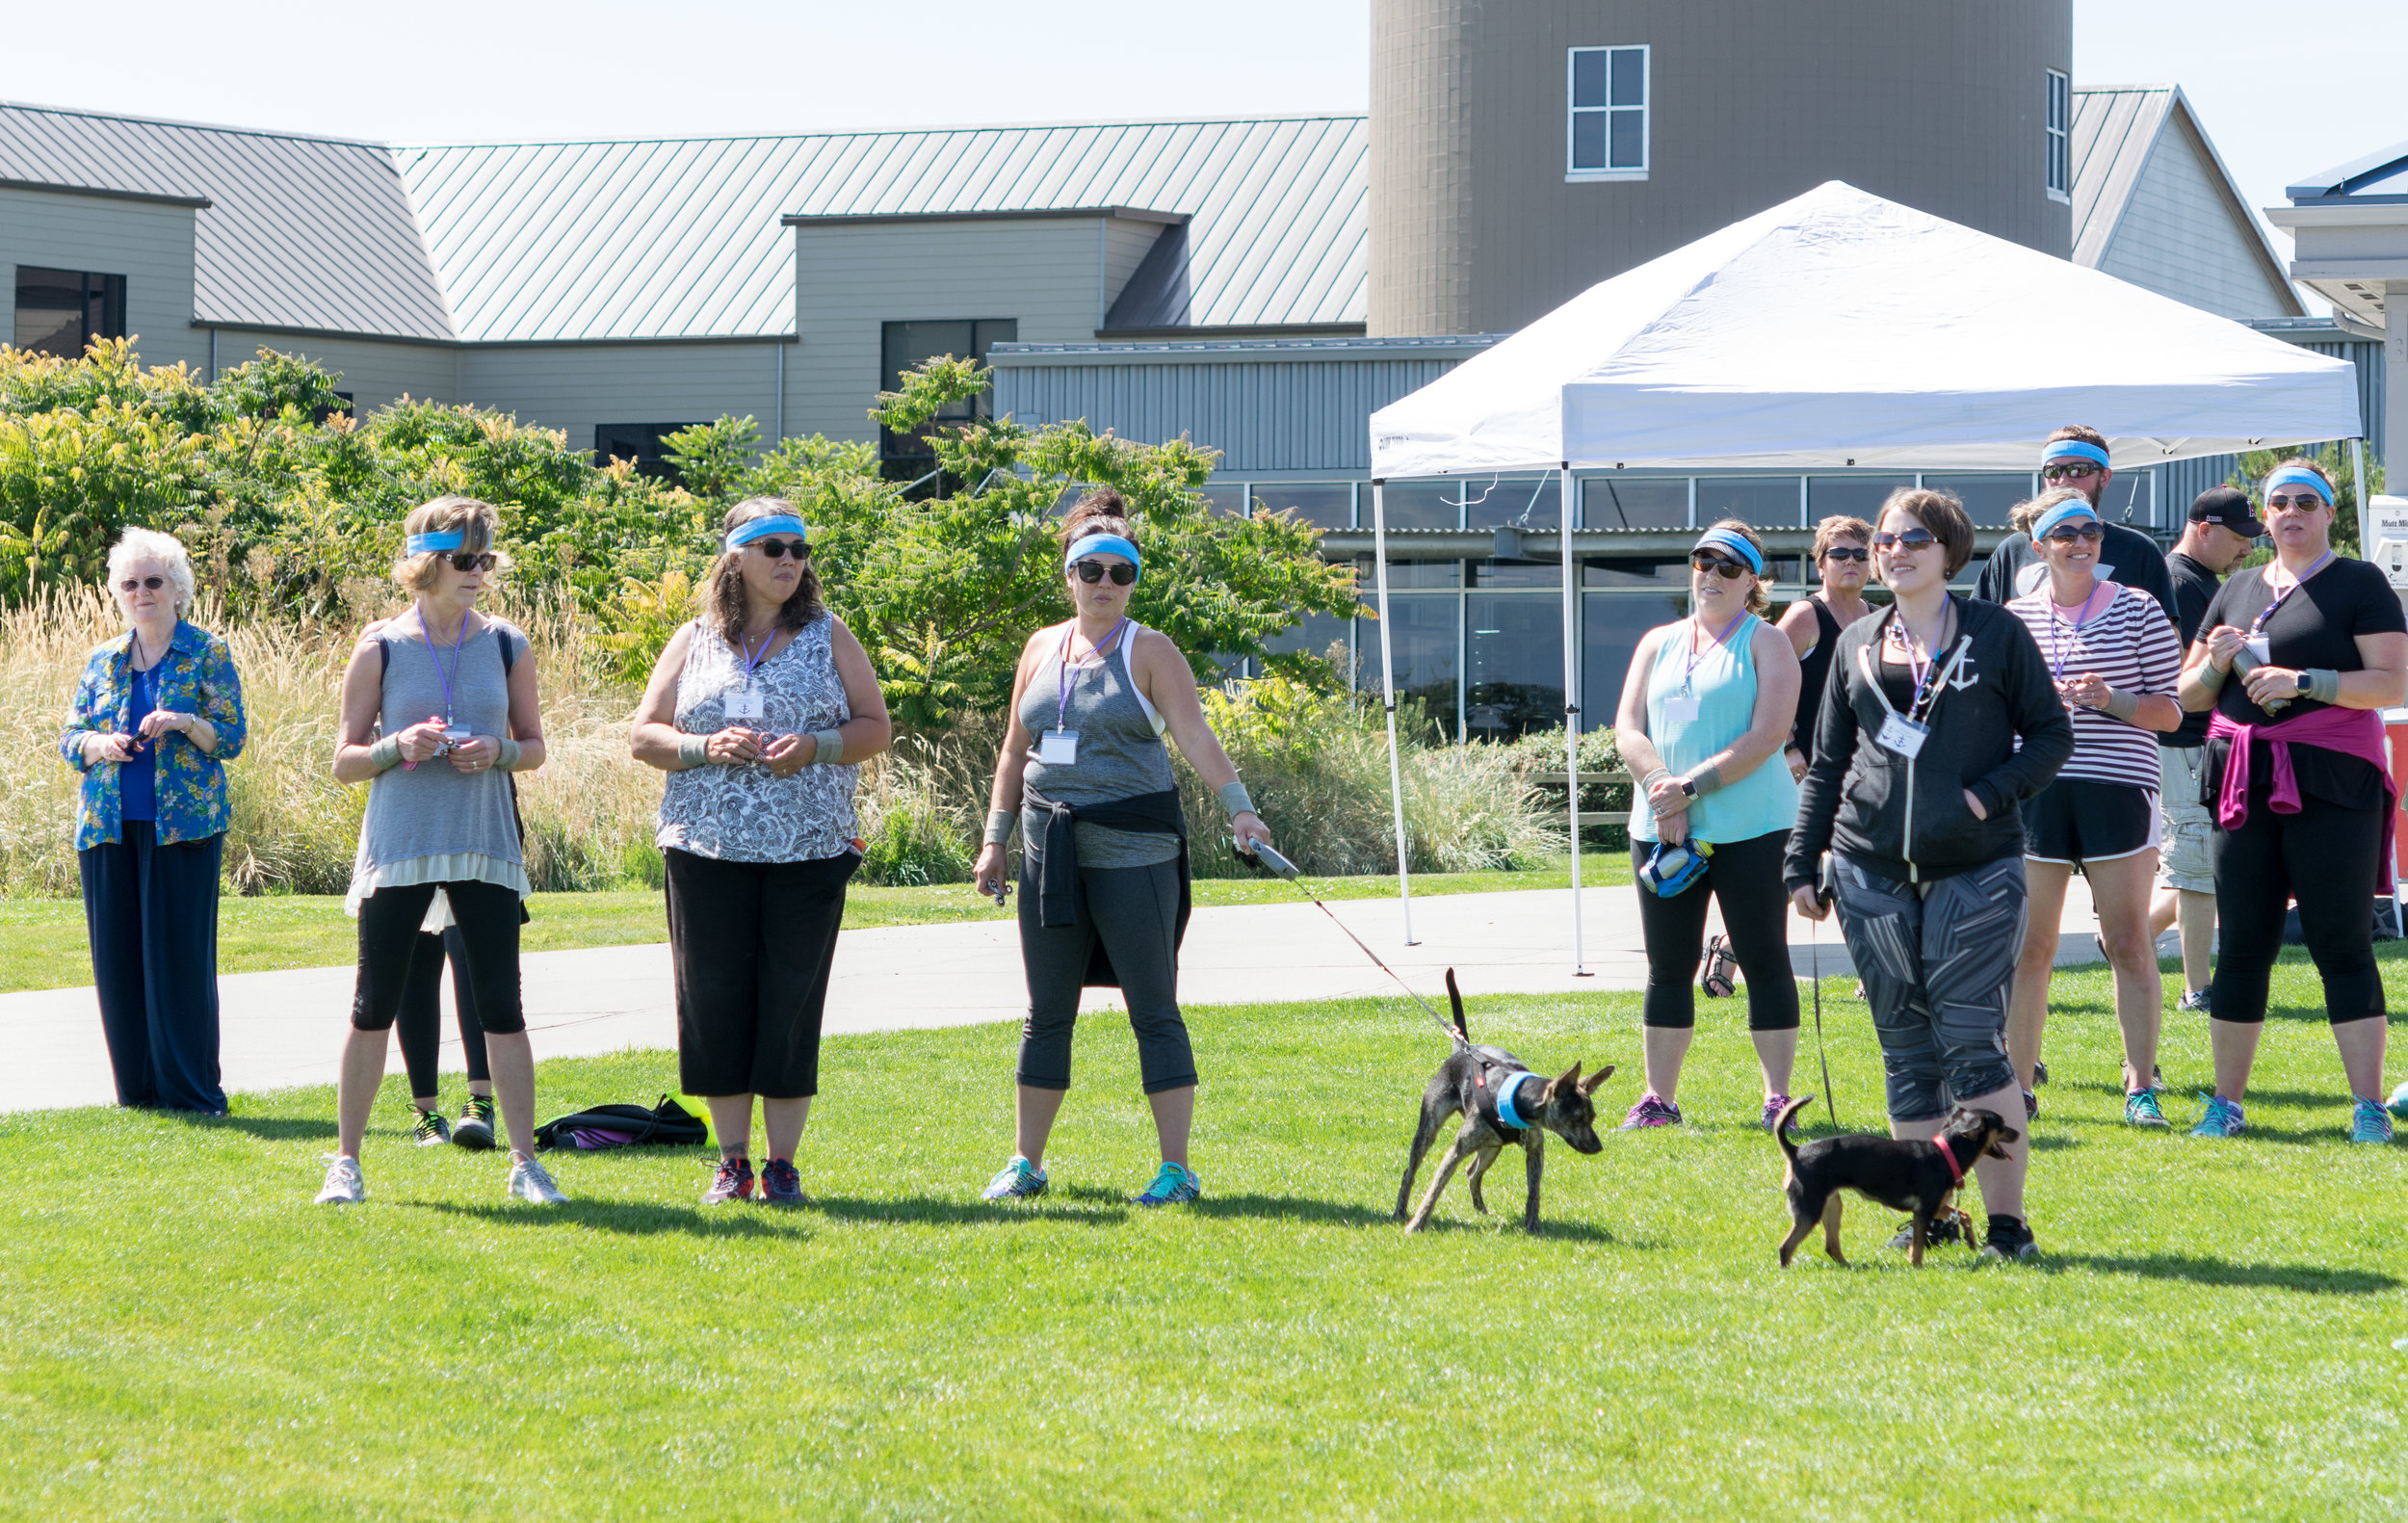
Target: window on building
point(60, 311)
point(644, 443)
point(2060, 136)
point(906, 346)
point(1325, 505)
point(1606, 135)
point(1626, 501)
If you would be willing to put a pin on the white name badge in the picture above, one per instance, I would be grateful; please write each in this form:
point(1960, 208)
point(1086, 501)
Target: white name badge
point(1904, 735)
point(459, 734)
point(747, 702)
point(1059, 747)
point(1681, 708)
point(2260, 649)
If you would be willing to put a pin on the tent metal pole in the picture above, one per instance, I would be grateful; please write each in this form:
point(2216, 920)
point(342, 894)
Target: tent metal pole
point(2358, 488)
point(1571, 717)
point(1388, 697)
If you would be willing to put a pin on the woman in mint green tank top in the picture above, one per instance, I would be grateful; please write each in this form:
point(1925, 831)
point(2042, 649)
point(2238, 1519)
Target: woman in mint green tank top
point(1707, 704)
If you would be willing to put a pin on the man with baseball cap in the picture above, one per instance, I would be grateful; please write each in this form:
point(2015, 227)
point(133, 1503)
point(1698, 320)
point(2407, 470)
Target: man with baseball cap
point(2076, 457)
point(2222, 529)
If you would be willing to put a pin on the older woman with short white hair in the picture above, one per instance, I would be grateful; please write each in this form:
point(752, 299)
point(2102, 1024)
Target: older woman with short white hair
point(158, 714)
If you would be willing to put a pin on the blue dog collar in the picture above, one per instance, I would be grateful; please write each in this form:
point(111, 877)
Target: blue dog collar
point(436, 543)
point(2294, 476)
point(2074, 449)
point(2075, 509)
point(751, 528)
point(1103, 544)
point(1725, 539)
point(1506, 1089)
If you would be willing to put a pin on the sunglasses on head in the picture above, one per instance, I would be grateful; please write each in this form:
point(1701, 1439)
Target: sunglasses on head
point(2072, 533)
point(2306, 502)
point(1731, 571)
point(776, 549)
point(474, 561)
point(1091, 572)
point(1839, 552)
point(2069, 472)
point(154, 583)
point(1906, 539)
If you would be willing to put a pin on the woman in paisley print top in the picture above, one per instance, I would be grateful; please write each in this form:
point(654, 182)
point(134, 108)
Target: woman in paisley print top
point(761, 712)
point(158, 714)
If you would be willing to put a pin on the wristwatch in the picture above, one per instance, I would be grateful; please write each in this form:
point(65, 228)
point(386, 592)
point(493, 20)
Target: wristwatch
point(2300, 681)
point(1688, 785)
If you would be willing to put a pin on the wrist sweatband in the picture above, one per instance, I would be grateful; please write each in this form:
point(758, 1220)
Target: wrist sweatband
point(694, 750)
point(386, 754)
point(827, 747)
point(2211, 677)
point(1647, 784)
point(1705, 778)
point(999, 823)
point(2324, 684)
point(508, 759)
point(2121, 705)
point(1235, 800)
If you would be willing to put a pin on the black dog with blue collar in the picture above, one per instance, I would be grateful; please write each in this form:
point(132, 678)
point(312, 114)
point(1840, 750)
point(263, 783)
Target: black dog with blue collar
point(1503, 1102)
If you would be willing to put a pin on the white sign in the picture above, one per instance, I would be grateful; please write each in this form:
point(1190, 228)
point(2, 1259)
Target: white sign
point(2387, 528)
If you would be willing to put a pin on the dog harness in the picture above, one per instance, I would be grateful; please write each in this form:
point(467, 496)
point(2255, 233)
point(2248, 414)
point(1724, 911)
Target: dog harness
point(1506, 1089)
point(1957, 1170)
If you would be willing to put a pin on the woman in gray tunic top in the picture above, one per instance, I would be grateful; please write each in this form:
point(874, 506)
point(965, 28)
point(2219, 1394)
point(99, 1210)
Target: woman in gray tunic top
point(1103, 874)
point(438, 704)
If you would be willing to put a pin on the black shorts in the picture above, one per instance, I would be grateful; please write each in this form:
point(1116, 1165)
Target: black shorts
point(2082, 820)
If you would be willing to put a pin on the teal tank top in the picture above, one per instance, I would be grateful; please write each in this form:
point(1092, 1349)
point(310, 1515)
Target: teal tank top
point(1723, 681)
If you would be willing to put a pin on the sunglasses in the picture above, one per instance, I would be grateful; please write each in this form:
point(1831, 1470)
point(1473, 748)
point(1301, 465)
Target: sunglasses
point(777, 549)
point(2070, 534)
point(154, 583)
point(2305, 501)
point(1731, 571)
point(1842, 553)
point(475, 561)
point(1093, 571)
point(2069, 473)
point(1910, 539)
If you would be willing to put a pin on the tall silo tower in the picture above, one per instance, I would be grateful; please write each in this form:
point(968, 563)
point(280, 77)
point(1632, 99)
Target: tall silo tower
point(1523, 150)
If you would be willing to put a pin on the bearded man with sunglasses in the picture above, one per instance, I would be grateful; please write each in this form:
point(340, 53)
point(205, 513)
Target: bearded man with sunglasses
point(2076, 457)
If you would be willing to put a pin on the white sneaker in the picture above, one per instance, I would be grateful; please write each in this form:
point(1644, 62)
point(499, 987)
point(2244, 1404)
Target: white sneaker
point(530, 1183)
point(343, 1187)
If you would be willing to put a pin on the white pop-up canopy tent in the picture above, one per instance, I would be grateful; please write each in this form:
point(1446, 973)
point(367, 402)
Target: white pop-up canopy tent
point(1840, 329)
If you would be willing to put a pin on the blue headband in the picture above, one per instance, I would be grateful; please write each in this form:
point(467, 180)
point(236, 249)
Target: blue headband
point(2074, 449)
point(751, 528)
point(2075, 508)
point(1725, 539)
point(1103, 544)
point(2295, 476)
point(430, 543)
point(1506, 1111)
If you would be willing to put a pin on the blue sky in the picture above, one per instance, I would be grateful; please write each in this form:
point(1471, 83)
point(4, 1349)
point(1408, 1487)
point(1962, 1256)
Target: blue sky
point(452, 70)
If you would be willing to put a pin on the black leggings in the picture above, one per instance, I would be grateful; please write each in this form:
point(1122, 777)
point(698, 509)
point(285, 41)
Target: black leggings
point(1135, 913)
point(389, 919)
point(420, 1028)
point(1745, 878)
point(2330, 860)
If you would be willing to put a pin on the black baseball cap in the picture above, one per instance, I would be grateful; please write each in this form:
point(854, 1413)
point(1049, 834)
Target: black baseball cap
point(2228, 506)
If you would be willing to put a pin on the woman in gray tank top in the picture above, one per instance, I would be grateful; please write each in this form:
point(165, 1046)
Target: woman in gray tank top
point(439, 706)
point(1103, 874)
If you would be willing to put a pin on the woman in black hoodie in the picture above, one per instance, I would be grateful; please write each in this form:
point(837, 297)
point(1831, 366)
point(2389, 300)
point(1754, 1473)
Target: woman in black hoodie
point(1939, 720)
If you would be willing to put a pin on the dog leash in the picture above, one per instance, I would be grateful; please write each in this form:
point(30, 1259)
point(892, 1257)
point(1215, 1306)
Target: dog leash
point(1813, 944)
point(1278, 866)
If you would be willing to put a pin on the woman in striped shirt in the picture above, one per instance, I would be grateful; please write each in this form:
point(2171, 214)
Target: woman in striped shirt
point(2116, 660)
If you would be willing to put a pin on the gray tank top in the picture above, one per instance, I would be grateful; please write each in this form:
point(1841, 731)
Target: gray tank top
point(437, 809)
point(1122, 753)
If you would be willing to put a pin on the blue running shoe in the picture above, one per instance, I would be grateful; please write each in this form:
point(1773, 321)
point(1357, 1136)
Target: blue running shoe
point(2141, 1109)
point(2222, 1119)
point(2370, 1124)
point(1173, 1184)
point(1017, 1180)
point(2399, 1101)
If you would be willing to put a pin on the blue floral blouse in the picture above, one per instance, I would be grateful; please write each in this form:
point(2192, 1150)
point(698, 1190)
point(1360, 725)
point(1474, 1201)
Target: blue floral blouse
point(196, 677)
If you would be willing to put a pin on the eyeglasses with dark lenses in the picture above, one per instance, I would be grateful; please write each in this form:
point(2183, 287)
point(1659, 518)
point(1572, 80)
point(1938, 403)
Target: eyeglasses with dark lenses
point(1093, 571)
point(2072, 533)
point(154, 583)
point(1910, 539)
point(2074, 471)
point(1841, 552)
point(1731, 571)
point(474, 561)
point(2305, 501)
point(776, 549)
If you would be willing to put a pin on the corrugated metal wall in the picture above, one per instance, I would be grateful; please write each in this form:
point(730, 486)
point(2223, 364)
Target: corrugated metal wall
point(2184, 480)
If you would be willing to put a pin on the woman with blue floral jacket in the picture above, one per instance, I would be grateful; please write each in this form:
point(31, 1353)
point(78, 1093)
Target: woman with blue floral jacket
point(158, 714)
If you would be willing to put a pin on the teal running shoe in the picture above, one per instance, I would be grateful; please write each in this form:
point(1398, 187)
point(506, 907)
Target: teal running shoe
point(2399, 1101)
point(1017, 1180)
point(1173, 1184)
point(2141, 1109)
point(2222, 1119)
point(2370, 1124)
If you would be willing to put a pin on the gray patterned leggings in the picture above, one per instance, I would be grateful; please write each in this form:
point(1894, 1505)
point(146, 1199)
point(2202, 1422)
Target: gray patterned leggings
point(1938, 960)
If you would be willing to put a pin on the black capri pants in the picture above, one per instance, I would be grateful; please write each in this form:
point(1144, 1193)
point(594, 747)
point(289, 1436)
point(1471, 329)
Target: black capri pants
point(750, 944)
point(1745, 878)
point(2330, 860)
point(420, 1028)
point(1135, 913)
point(488, 919)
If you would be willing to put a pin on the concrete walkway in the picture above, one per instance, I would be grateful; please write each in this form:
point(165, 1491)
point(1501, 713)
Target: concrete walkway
point(280, 1030)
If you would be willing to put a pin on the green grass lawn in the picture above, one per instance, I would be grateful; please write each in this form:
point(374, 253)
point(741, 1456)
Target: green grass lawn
point(2210, 1333)
point(43, 945)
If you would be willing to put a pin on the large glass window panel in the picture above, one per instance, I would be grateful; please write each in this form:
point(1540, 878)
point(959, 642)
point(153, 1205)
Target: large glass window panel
point(1516, 573)
point(644, 443)
point(1525, 502)
point(906, 346)
point(1319, 634)
point(1514, 665)
point(1611, 625)
point(60, 311)
point(1412, 573)
point(1635, 570)
point(1635, 502)
point(1329, 505)
point(1987, 498)
point(2129, 497)
point(1419, 505)
point(1849, 496)
point(1426, 640)
point(1767, 502)
point(1227, 499)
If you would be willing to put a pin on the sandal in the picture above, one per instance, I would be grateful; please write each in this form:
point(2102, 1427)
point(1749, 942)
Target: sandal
point(1718, 973)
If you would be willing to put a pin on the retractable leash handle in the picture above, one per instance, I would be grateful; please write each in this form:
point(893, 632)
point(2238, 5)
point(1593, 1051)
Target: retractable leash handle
point(1262, 855)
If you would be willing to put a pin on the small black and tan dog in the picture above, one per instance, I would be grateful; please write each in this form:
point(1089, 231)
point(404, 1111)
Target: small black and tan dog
point(1922, 1178)
point(1502, 1102)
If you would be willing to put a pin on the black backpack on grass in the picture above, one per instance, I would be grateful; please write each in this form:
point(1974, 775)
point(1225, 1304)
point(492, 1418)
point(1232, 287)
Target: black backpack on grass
point(668, 1124)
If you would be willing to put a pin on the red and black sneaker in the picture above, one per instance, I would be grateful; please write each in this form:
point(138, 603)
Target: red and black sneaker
point(733, 1182)
point(781, 1185)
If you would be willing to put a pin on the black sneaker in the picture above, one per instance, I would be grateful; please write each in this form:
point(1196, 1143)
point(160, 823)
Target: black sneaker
point(1941, 1232)
point(2010, 1238)
point(430, 1130)
point(2031, 1105)
point(475, 1130)
point(2039, 1074)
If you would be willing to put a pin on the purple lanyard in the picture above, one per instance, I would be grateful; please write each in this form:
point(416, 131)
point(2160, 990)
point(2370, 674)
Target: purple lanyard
point(1690, 673)
point(2256, 626)
point(750, 660)
point(438, 661)
point(2056, 655)
point(1062, 708)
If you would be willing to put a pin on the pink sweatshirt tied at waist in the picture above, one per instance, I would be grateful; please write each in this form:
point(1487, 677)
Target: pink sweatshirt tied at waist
point(2351, 733)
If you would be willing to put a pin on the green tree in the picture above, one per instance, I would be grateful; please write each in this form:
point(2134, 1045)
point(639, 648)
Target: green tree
point(2334, 459)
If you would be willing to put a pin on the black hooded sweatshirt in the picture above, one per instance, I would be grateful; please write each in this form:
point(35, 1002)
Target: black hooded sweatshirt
point(1906, 820)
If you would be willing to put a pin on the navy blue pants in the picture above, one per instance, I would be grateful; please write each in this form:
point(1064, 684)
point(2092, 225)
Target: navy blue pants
point(153, 914)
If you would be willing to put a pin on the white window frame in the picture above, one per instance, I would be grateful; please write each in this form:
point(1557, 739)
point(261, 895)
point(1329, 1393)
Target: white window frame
point(1573, 175)
point(2057, 168)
